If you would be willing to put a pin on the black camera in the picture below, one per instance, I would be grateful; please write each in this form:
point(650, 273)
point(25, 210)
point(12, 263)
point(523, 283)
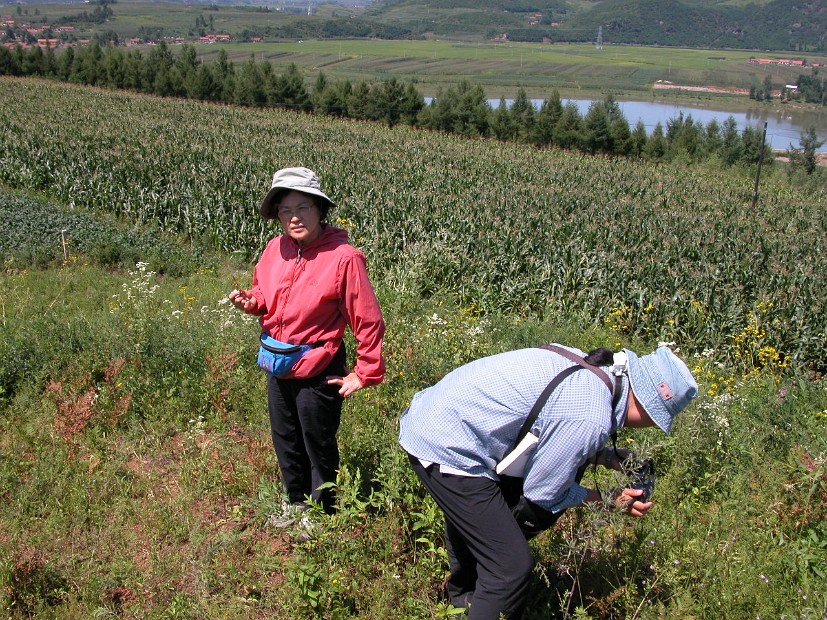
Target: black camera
point(642, 477)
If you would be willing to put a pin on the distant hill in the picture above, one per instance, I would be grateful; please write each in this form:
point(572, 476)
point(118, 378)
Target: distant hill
point(780, 25)
point(795, 25)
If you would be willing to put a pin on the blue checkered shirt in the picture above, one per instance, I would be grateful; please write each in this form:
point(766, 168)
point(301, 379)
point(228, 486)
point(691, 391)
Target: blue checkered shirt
point(471, 418)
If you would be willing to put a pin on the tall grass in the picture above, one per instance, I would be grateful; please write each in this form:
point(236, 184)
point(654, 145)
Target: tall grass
point(138, 476)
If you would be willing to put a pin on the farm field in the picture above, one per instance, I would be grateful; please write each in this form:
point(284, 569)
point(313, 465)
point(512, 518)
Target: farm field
point(137, 475)
point(533, 66)
point(501, 67)
point(539, 239)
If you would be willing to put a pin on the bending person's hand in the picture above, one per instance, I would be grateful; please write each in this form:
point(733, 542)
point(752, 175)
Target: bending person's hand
point(627, 501)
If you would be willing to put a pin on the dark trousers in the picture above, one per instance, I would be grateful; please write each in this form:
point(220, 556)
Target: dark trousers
point(304, 419)
point(489, 557)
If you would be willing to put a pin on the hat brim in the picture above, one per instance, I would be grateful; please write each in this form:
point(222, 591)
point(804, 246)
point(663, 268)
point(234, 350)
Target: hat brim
point(267, 209)
point(641, 380)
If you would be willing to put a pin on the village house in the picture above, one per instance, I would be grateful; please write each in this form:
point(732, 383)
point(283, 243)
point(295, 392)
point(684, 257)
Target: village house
point(212, 38)
point(783, 62)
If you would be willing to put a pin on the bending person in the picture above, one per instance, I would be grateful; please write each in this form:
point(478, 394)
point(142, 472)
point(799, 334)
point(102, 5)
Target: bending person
point(479, 410)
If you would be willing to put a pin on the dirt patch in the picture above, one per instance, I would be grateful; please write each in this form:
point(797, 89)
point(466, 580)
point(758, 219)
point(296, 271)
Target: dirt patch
point(700, 89)
point(821, 158)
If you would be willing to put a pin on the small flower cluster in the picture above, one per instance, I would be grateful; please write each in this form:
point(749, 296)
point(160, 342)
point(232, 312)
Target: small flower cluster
point(713, 374)
point(750, 345)
point(138, 291)
point(715, 410)
point(620, 320)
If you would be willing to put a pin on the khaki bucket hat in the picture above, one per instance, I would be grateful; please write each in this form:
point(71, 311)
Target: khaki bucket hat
point(292, 179)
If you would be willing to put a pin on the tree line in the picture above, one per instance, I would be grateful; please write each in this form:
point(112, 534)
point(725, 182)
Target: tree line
point(812, 88)
point(462, 109)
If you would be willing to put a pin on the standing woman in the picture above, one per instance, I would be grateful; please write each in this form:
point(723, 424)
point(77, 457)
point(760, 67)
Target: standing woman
point(308, 286)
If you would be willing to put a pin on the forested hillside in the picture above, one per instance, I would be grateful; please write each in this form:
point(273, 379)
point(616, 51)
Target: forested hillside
point(795, 25)
point(798, 26)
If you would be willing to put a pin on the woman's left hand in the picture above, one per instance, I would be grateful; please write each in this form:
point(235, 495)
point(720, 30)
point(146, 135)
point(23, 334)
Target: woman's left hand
point(613, 458)
point(348, 384)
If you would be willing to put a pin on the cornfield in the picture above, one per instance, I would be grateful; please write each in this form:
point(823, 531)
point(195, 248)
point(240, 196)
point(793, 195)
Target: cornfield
point(664, 253)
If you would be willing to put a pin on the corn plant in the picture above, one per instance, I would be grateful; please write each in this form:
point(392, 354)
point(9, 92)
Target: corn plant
point(506, 229)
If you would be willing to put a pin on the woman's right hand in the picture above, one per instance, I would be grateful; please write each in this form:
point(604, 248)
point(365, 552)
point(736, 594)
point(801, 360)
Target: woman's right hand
point(242, 300)
point(628, 500)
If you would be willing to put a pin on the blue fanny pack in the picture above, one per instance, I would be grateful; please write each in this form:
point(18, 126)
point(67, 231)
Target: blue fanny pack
point(276, 357)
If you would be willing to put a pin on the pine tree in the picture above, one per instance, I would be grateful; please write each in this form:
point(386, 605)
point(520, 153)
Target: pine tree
point(596, 138)
point(732, 147)
point(522, 116)
point(804, 158)
point(569, 128)
point(655, 148)
point(547, 118)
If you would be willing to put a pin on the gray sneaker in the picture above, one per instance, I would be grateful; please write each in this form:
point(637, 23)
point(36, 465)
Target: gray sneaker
point(287, 516)
point(305, 529)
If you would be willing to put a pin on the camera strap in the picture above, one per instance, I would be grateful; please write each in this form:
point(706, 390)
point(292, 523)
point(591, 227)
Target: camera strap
point(615, 390)
point(541, 401)
point(614, 387)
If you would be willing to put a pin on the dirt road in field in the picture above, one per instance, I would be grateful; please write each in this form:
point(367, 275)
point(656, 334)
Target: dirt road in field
point(821, 158)
point(700, 89)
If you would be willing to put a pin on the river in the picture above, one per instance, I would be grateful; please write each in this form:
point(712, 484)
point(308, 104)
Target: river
point(783, 128)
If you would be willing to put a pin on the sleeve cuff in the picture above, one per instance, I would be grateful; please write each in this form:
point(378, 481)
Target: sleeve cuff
point(576, 496)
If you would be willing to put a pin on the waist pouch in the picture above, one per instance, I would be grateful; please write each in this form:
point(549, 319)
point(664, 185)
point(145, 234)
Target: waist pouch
point(276, 357)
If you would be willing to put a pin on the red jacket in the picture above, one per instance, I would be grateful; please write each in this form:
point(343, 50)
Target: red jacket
point(310, 294)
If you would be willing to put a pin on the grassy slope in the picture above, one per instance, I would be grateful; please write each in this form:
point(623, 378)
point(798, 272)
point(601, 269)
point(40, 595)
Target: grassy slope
point(137, 474)
point(142, 475)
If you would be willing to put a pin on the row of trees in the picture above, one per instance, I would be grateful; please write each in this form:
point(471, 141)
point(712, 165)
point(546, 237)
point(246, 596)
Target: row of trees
point(763, 92)
point(813, 88)
point(462, 109)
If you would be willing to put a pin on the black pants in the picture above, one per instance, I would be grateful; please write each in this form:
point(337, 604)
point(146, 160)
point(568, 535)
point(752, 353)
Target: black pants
point(489, 557)
point(304, 419)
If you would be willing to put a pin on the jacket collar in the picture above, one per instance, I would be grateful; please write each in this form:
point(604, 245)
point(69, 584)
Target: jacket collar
point(330, 236)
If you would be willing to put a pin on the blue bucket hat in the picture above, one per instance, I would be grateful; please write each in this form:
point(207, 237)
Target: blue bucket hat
point(662, 383)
